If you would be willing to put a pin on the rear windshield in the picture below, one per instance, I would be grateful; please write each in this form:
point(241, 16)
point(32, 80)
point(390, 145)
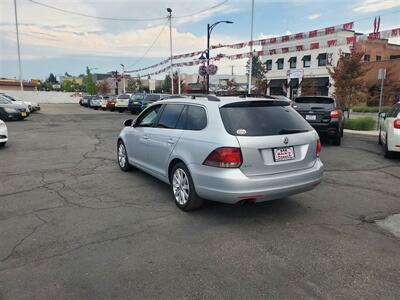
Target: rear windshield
point(152, 97)
point(261, 118)
point(123, 97)
point(317, 100)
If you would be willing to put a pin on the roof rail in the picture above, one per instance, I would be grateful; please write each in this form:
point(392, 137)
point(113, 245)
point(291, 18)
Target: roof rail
point(209, 97)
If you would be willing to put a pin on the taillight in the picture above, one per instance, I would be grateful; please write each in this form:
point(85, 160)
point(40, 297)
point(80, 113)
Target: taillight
point(225, 157)
point(335, 114)
point(396, 123)
point(318, 148)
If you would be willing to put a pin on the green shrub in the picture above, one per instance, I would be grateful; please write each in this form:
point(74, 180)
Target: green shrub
point(369, 109)
point(364, 123)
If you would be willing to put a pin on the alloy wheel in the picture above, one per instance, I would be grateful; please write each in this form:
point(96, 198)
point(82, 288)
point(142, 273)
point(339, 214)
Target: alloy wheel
point(121, 155)
point(180, 185)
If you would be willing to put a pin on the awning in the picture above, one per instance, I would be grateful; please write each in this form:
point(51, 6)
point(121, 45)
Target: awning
point(294, 82)
point(277, 82)
point(317, 81)
point(294, 58)
point(306, 57)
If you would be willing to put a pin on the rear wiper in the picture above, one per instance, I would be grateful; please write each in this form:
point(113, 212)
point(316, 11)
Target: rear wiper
point(288, 131)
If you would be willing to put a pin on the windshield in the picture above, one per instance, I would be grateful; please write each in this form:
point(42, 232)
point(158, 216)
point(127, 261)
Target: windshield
point(262, 118)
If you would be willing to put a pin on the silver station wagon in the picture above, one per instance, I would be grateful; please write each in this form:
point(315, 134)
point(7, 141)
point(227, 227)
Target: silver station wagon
point(226, 149)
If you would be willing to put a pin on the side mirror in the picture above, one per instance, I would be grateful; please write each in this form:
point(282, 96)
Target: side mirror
point(128, 123)
point(382, 115)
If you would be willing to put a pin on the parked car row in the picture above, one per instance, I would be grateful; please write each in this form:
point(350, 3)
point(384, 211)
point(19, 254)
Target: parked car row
point(12, 109)
point(135, 103)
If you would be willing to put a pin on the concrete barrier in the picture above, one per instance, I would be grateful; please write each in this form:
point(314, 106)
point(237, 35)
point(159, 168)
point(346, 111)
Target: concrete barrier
point(43, 97)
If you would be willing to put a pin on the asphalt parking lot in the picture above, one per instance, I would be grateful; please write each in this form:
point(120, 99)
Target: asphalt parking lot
point(73, 226)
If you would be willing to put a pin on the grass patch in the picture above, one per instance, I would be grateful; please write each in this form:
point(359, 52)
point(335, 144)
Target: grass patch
point(369, 109)
point(363, 124)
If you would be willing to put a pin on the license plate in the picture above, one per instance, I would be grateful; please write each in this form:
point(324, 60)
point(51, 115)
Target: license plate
point(23, 114)
point(282, 154)
point(311, 117)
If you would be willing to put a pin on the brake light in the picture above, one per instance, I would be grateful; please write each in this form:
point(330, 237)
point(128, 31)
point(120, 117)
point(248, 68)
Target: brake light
point(225, 157)
point(318, 148)
point(335, 114)
point(396, 123)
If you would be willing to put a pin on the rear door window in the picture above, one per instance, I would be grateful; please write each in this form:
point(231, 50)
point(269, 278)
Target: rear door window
point(170, 116)
point(262, 118)
point(193, 118)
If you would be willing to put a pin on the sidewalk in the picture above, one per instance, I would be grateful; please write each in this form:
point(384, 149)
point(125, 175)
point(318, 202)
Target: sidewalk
point(369, 132)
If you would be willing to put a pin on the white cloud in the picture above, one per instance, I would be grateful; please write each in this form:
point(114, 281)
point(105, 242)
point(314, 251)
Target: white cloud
point(314, 16)
point(368, 6)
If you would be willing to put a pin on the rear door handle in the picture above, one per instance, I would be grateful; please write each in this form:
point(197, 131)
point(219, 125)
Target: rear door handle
point(171, 141)
point(145, 137)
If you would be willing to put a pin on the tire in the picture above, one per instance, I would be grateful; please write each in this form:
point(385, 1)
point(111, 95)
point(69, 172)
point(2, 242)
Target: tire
point(122, 157)
point(183, 190)
point(379, 138)
point(337, 140)
point(387, 153)
point(104, 109)
point(121, 110)
point(3, 144)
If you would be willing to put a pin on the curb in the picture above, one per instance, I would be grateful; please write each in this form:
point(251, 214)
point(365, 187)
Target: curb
point(369, 132)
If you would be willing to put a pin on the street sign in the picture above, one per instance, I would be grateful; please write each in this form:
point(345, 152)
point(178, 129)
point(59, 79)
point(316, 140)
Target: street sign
point(382, 74)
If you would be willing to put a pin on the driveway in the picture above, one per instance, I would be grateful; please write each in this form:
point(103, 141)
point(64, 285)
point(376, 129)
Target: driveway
point(73, 226)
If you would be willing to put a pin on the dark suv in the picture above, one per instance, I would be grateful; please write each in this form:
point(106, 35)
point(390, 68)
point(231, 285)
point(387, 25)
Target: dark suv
point(323, 114)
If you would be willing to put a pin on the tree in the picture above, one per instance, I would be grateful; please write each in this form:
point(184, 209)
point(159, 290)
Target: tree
point(258, 71)
point(391, 89)
point(309, 87)
point(166, 86)
point(104, 87)
point(231, 86)
point(67, 75)
point(91, 87)
point(134, 85)
point(348, 75)
point(52, 79)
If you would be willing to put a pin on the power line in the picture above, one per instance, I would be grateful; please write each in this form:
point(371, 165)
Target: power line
point(151, 47)
point(124, 19)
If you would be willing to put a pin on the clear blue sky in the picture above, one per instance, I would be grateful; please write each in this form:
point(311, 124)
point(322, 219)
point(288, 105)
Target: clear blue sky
point(57, 42)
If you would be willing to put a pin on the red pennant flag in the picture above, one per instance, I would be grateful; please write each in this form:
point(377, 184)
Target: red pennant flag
point(374, 36)
point(272, 51)
point(272, 40)
point(314, 46)
point(329, 30)
point(285, 50)
point(299, 36)
point(332, 43)
point(348, 26)
point(312, 33)
point(351, 39)
point(285, 38)
point(299, 48)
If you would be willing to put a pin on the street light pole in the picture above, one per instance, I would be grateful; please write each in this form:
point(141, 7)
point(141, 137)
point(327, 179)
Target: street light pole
point(170, 47)
point(123, 78)
point(209, 30)
point(19, 51)
point(251, 46)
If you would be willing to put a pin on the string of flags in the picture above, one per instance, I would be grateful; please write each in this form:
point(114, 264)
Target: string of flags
point(385, 34)
point(260, 42)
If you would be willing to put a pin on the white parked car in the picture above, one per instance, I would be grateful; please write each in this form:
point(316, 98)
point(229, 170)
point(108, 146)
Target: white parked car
point(389, 131)
point(3, 133)
point(122, 102)
point(30, 106)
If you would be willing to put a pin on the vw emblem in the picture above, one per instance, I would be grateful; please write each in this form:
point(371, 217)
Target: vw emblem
point(285, 140)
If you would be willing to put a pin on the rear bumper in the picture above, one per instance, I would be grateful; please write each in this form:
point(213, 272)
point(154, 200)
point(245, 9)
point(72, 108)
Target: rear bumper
point(232, 186)
point(330, 129)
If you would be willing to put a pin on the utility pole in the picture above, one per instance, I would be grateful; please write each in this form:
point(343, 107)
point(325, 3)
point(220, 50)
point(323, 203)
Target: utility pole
point(381, 76)
point(123, 78)
point(19, 51)
point(170, 46)
point(251, 46)
point(179, 82)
